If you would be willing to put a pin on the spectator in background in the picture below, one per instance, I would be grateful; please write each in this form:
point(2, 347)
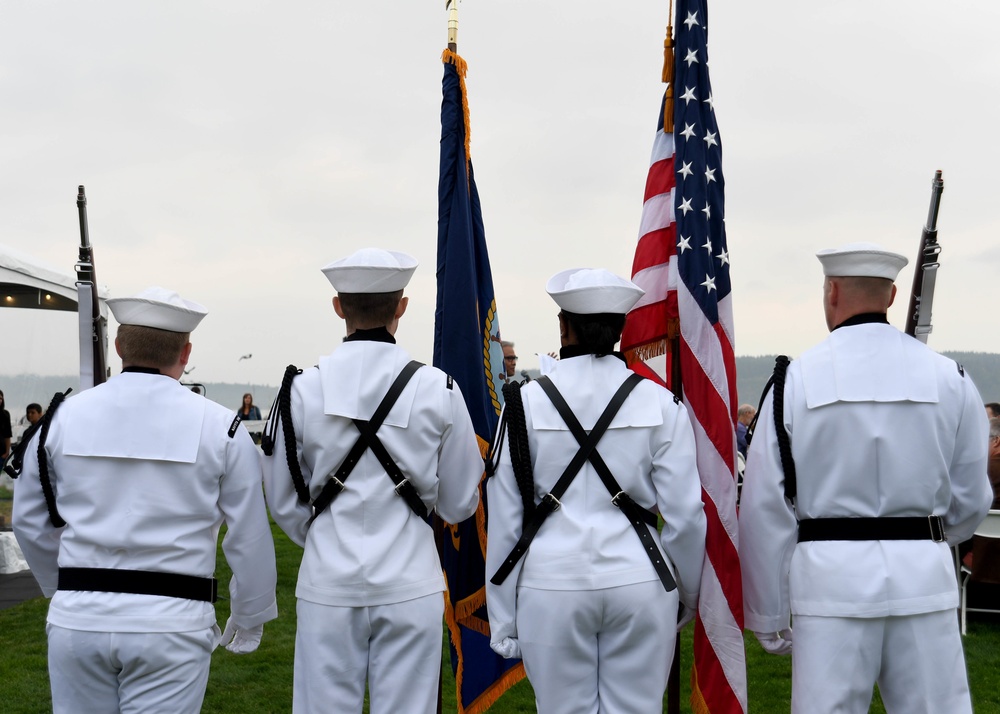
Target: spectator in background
point(509, 360)
point(982, 555)
point(33, 412)
point(993, 465)
point(744, 415)
point(992, 410)
point(5, 431)
point(248, 411)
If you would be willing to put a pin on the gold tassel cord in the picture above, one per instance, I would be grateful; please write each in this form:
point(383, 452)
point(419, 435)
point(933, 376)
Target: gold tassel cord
point(463, 68)
point(668, 79)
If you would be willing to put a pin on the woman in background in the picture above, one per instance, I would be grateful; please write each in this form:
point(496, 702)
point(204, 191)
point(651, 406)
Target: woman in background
point(248, 411)
point(5, 432)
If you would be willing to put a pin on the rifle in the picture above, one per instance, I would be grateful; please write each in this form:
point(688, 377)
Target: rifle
point(93, 326)
point(918, 314)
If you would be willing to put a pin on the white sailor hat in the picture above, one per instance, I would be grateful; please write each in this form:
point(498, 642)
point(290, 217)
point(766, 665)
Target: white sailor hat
point(160, 308)
point(371, 270)
point(861, 260)
point(586, 291)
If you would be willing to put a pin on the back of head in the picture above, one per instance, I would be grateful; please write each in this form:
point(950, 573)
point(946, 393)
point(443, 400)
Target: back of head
point(150, 347)
point(369, 285)
point(594, 303)
point(366, 311)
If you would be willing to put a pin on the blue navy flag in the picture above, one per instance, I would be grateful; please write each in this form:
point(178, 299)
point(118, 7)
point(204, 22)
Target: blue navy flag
point(467, 346)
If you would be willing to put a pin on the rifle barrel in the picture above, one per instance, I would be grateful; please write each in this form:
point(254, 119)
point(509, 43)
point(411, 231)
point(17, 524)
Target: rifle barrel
point(924, 271)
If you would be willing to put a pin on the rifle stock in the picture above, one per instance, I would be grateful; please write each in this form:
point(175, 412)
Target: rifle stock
point(918, 314)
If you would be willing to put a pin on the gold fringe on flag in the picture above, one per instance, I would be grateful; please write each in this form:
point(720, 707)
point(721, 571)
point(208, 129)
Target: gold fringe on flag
point(489, 697)
point(463, 68)
point(644, 353)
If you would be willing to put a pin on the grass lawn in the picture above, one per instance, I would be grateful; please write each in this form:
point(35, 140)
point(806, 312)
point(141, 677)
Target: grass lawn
point(262, 682)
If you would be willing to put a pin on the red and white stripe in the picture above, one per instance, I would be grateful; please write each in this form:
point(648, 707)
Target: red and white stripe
point(708, 373)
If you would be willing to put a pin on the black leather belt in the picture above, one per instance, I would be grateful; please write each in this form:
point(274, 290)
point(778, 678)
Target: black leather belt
point(900, 528)
point(139, 582)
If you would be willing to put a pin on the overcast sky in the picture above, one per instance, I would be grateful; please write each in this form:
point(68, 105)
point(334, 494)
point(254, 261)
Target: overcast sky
point(231, 149)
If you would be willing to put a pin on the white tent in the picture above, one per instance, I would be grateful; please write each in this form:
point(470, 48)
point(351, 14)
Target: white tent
point(27, 282)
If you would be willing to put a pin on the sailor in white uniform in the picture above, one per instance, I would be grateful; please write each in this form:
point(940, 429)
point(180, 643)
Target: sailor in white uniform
point(143, 473)
point(888, 441)
point(586, 607)
point(370, 586)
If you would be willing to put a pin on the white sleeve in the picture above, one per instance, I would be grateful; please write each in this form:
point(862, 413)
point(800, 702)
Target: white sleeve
point(460, 462)
point(678, 498)
point(248, 546)
point(971, 492)
point(504, 529)
point(38, 538)
point(768, 529)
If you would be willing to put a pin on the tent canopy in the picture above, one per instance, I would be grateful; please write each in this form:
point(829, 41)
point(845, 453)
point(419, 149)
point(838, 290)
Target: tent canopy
point(27, 282)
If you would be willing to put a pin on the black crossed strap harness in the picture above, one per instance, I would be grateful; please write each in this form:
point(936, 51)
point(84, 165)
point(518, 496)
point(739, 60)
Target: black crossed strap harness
point(638, 516)
point(849, 528)
point(368, 439)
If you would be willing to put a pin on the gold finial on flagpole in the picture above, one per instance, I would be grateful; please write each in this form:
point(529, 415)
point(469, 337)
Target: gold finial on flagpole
point(452, 7)
point(668, 74)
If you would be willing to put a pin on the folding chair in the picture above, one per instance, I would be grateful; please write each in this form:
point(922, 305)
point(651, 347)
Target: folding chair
point(985, 562)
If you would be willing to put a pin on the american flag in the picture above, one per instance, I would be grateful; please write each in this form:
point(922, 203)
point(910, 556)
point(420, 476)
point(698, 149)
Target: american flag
point(682, 262)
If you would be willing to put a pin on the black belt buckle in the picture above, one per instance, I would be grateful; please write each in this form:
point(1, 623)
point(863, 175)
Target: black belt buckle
point(551, 501)
point(937, 529)
point(618, 498)
point(399, 487)
point(214, 588)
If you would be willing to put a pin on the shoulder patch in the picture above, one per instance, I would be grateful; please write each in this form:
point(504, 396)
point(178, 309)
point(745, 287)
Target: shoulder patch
point(234, 426)
point(961, 369)
point(451, 382)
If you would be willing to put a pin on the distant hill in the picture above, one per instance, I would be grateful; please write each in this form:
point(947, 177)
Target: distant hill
point(751, 376)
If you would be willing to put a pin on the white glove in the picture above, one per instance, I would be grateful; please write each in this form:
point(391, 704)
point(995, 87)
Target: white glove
point(684, 615)
point(241, 640)
point(507, 648)
point(779, 643)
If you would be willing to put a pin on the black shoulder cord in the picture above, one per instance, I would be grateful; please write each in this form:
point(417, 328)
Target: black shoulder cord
point(43, 460)
point(784, 443)
point(520, 454)
point(281, 411)
point(777, 380)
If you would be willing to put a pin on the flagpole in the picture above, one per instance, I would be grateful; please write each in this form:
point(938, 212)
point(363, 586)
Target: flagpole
point(452, 6)
point(673, 334)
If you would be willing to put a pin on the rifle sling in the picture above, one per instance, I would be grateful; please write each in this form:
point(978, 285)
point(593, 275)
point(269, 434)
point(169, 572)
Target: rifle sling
point(368, 439)
point(639, 517)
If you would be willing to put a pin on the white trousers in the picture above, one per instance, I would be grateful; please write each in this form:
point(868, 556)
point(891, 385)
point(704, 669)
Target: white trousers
point(590, 651)
point(917, 661)
point(396, 647)
point(151, 673)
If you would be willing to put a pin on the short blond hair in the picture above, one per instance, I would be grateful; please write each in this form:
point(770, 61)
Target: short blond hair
point(149, 346)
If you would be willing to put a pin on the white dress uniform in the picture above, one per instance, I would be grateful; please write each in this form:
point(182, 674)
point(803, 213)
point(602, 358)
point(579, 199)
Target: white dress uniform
point(145, 473)
point(584, 607)
point(370, 583)
point(880, 426)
